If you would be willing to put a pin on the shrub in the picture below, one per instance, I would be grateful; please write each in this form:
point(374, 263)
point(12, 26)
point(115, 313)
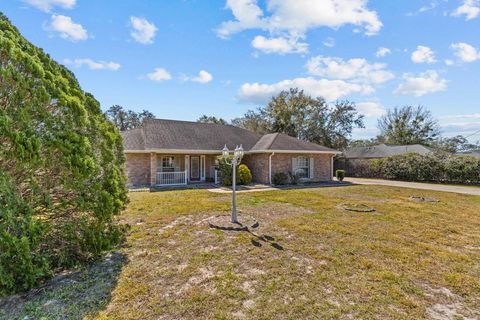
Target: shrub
point(61, 167)
point(280, 178)
point(431, 167)
point(243, 174)
point(340, 174)
point(293, 178)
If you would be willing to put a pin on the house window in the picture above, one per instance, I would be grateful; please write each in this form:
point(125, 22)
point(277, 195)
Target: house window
point(168, 164)
point(301, 167)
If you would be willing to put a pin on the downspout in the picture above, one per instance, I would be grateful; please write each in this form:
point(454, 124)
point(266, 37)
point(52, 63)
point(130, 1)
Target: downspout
point(332, 168)
point(270, 167)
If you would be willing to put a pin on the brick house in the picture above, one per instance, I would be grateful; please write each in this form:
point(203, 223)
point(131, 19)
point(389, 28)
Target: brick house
point(170, 152)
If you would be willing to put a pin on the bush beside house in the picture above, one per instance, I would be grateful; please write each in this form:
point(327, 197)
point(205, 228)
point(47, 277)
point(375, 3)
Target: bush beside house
point(243, 173)
point(61, 168)
point(431, 167)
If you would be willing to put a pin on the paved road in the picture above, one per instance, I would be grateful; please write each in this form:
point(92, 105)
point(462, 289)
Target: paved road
point(424, 186)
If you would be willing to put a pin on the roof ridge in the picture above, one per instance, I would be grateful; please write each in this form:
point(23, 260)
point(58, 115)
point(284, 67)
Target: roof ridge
point(275, 134)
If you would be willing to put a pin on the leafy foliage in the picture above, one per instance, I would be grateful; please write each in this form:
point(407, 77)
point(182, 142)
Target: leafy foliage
point(61, 167)
point(434, 167)
point(280, 178)
point(127, 119)
point(211, 119)
point(409, 125)
point(312, 119)
point(243, 174)
point(454, 144)
point(340, 174)
point(253, 121)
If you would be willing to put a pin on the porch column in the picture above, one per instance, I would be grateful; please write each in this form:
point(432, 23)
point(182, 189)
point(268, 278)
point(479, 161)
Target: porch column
point(187, 167)
point(153, 169)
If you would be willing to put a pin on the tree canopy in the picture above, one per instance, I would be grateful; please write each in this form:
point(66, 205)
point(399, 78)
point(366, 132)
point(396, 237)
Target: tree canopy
point(299, 115)
point(211, 119)
point(409, 125)
point(127, 119)
point(61, 167)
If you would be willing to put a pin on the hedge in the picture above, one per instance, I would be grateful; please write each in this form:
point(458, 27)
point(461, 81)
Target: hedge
point(431, 167)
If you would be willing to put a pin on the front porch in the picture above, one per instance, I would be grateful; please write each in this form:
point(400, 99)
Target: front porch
point(182, 169)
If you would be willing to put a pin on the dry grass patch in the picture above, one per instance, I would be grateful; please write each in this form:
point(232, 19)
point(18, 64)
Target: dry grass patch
point(309, 259)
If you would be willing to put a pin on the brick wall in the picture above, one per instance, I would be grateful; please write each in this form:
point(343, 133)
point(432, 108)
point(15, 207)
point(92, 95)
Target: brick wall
point(258, 165)
point(139, 173)
point(282, 162)
point(137, 169)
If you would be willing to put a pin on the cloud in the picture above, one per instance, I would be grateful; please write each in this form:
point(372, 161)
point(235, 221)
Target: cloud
point(48, 5)
point(93, 65)
point(426, 82)
point(203, 77)
point(423, 55)
point(291, 19)
point(449, 62)
point(469, 8)
point(359, 70)
point(465, 52)
point(382, 52)
point(143, 31)
point(462, 116)
point(461, 127)
point(329, 42)
point(279, 45)
point(370, 109)
point(328, 89)
point(67, 29)
point(159, 74)
point(432, 5)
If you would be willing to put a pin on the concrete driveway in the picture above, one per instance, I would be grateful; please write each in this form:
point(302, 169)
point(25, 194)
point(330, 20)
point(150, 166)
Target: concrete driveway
point(473, 190)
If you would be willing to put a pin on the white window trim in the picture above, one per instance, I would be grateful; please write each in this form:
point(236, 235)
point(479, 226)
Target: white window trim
point(308, 166)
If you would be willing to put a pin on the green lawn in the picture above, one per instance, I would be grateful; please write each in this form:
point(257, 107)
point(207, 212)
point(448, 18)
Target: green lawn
point(309, 259)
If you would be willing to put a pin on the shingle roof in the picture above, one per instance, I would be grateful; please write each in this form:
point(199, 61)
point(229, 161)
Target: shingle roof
point(156, 134)
point(383, 150)
point(281, 141)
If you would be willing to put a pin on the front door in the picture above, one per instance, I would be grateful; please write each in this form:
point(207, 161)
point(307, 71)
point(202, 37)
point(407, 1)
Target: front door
point(195, 168)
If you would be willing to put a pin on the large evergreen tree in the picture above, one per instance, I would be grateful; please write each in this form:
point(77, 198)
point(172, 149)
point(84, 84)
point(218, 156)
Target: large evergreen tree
point(61, 167)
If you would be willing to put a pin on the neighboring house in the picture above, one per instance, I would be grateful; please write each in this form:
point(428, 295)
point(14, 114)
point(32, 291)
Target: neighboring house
point(383, 151)
point(169, 152)
point(472, 153)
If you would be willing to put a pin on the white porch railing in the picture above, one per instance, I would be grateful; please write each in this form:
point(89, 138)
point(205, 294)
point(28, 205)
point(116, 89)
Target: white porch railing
point(171, 178)
point(217, 177)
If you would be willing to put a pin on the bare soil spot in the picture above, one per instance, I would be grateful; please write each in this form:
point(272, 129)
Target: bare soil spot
point(356, 207)
point(424, 199)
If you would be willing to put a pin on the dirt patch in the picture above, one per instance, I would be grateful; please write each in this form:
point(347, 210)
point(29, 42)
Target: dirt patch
point(446, 305)
point(356, 207)
point(424, 199)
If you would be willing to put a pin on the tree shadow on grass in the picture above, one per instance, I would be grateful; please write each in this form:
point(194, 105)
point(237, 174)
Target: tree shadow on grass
point(72, 295)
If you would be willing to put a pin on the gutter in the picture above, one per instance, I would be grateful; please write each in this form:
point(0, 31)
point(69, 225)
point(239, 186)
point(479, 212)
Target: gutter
point(270, 167)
